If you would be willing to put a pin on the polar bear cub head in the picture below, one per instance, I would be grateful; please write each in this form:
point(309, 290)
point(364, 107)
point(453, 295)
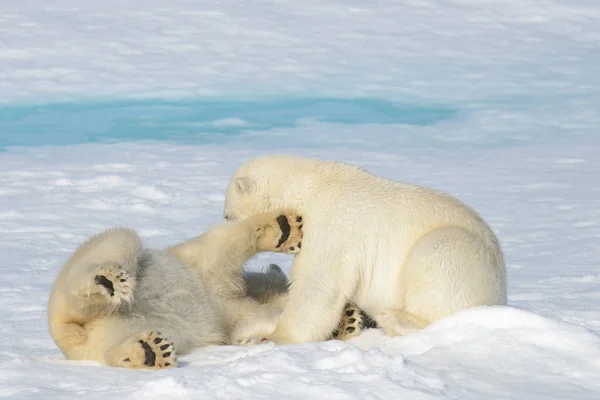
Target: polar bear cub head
point(266, 184)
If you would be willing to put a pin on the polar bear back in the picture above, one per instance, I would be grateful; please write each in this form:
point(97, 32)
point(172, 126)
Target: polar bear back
point(355, 199)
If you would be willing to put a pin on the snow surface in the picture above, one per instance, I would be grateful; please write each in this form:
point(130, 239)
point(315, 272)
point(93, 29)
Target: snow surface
point(521, 148)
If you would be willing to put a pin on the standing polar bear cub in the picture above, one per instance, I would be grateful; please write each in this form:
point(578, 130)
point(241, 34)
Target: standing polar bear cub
point(406, 255)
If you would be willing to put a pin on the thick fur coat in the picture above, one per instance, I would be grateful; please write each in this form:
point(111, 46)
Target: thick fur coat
point(407, 255)
point(123, 305)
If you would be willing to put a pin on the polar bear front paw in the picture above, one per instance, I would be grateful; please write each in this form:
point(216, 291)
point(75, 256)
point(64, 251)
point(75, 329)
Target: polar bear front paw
point(114, 283)
point(150, 351)
point(281, 232)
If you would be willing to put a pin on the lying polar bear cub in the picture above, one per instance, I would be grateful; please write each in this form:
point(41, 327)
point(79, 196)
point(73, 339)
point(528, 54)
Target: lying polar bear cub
point(406, 255)
point(123, 305)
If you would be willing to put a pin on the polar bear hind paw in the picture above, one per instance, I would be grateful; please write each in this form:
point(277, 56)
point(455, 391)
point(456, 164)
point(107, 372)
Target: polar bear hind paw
point(353, 321)
point(150, 351)
point(282, 232)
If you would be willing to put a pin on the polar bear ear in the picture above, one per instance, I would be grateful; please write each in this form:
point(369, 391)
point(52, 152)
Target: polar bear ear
point(244, 184)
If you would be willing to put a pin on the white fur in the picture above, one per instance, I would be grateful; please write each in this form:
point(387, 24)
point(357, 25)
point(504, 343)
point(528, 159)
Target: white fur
point(405, 254)
point(190, 295)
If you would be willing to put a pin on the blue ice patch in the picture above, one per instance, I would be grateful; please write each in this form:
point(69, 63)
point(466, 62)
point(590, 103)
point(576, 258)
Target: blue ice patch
point(192, 121)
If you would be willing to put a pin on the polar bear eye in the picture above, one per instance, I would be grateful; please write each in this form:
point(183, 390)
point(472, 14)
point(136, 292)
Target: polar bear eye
point(226, 216)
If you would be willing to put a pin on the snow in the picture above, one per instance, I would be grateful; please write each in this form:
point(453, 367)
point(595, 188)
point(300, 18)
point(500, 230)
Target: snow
point(519, 143)
point(481, 50)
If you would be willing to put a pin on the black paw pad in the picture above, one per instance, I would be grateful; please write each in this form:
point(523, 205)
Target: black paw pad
point(352, 320)
point(299, 219)
point(104, 281)
point(284, 225)
point(349, 313)
point(350, 329)
point(150, 356)
point(157, 340)
point(167, 354)
point(164, 346)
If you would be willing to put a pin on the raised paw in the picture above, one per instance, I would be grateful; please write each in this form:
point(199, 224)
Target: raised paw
point(150, 351)
point(114, 283)
point(281, 232)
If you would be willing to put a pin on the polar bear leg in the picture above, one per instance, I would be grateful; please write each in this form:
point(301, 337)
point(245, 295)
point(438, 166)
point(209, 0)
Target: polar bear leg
point(96, 281)
point(447, 270)
point(315, 301)
point(133, 341)
point(102, 271)
point(231, 244)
